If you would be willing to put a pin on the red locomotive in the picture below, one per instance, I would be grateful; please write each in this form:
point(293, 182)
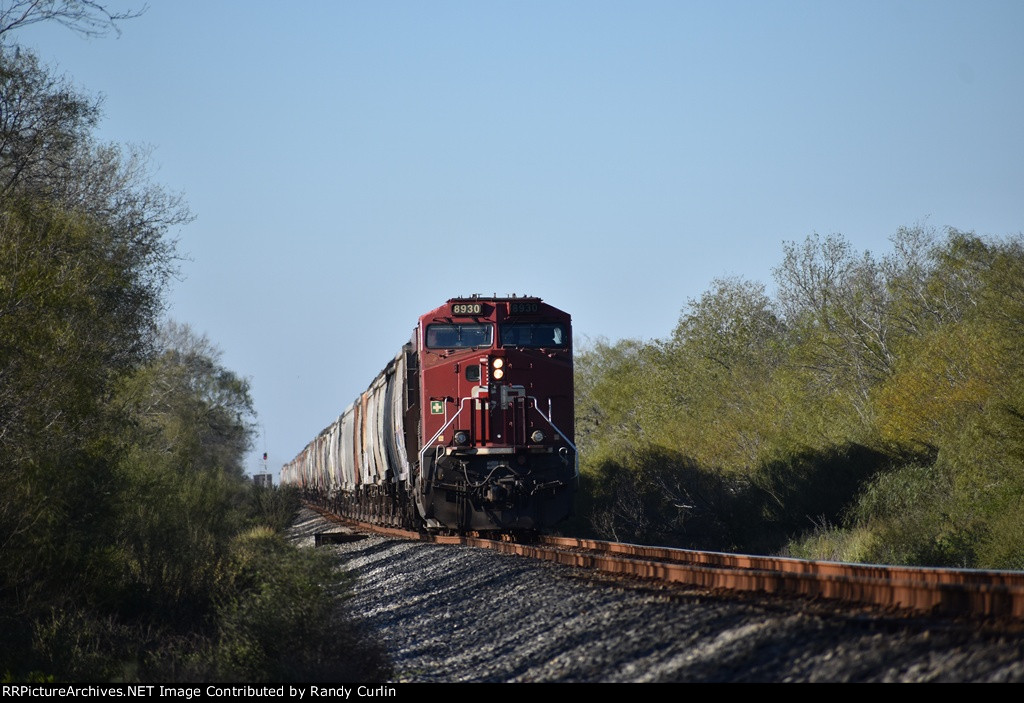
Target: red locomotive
point(470, 427)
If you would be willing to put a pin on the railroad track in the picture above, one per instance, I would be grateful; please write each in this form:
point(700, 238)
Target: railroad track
point(966, 592)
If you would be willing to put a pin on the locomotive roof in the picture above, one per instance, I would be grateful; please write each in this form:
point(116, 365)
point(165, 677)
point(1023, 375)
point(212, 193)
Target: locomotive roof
point(495, 298)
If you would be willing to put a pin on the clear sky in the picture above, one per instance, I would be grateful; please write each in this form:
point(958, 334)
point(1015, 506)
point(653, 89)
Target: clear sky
point(354, 164)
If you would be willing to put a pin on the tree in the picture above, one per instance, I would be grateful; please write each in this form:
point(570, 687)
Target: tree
point(86, 17)
point(43, 123)
point(716, 368)
point(47, 152)
point(84, 256)
point(839, 307)
point(84, 262)
point(609, 379)
point(191, 423)
point(189, 407)
point(733, 324)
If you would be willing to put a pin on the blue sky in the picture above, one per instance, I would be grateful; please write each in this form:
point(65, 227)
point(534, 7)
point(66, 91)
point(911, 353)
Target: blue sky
point(353, 164)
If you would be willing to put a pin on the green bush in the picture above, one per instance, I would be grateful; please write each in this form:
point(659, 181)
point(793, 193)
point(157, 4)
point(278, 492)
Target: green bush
point(832, 543)
point(279, 618)
point(274, 507)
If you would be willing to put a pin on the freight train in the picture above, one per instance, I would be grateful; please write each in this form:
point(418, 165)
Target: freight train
point(468, 429)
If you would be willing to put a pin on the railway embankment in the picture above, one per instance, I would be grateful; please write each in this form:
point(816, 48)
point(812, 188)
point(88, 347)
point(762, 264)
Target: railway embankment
point(448, 613)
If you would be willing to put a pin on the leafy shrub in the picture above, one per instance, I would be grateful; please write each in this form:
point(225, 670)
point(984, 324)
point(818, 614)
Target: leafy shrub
point(274, 507)
point(279, 619)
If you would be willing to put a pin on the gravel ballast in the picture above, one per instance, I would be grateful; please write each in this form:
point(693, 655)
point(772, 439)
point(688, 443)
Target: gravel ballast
point(454, 614)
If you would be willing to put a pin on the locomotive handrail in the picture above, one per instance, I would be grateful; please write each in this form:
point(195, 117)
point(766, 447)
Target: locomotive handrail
point(428, 443)
point(536, 406)
point(462, 402)
point(576, 454)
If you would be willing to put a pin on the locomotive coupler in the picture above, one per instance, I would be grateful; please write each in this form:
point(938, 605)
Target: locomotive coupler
point(496, 493)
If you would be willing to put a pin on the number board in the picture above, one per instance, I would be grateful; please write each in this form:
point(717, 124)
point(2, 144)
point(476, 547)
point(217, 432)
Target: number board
point(467, 309)
point(522, 308)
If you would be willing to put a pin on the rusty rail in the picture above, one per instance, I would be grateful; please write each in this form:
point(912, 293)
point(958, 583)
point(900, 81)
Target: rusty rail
point(789, 565)
point(925, 590)
point(928, 590)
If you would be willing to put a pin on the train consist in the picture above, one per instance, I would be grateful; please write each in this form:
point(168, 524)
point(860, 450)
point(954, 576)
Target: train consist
point(468, 428)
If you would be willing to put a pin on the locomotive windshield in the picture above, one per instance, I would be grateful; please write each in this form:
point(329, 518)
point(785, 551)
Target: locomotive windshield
point(459, 336)
point(536, 335)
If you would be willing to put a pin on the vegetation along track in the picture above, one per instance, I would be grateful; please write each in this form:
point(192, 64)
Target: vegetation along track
point(929, 590)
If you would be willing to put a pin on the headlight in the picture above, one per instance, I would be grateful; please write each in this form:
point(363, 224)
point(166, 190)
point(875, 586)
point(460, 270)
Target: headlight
point(461, 437)
point(537, 436)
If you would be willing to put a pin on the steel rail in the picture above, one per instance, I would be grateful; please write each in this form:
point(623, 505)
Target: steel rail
point(791, 565)
point(945, 591)
point(968, 592)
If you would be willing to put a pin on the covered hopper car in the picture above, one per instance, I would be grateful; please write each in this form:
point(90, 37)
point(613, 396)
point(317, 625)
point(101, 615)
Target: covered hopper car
point(468, 428)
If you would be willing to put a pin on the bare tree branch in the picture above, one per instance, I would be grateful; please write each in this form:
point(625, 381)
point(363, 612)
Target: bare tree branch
point(86, 17)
